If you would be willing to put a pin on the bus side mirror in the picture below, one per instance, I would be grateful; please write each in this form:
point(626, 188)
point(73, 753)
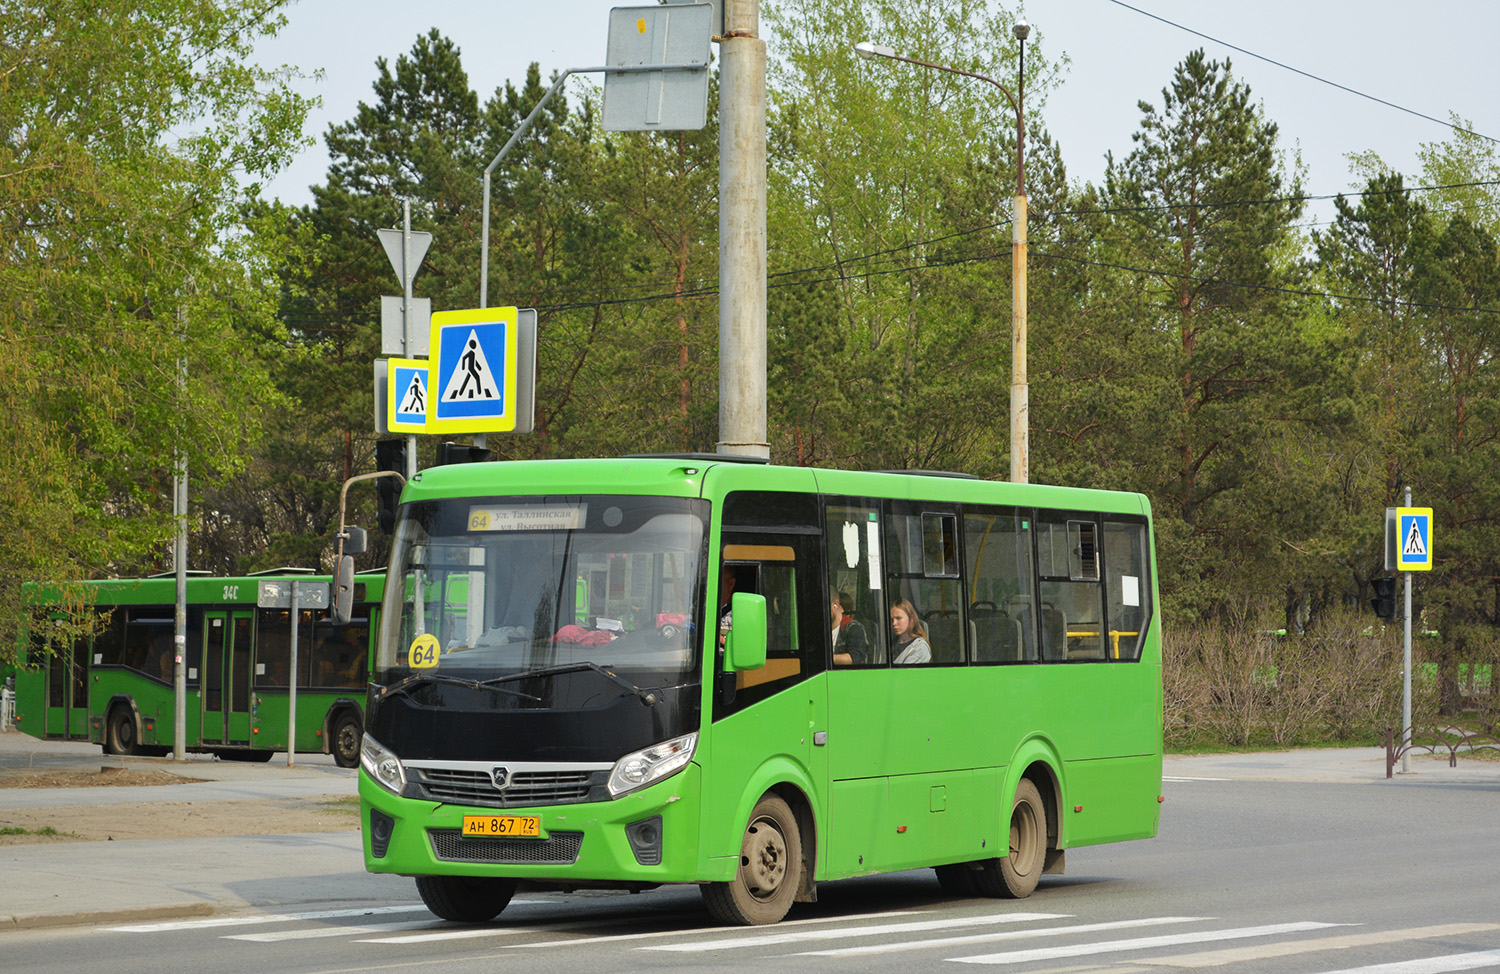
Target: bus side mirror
point(356, 540)
point(343, 591)
point(745, 646)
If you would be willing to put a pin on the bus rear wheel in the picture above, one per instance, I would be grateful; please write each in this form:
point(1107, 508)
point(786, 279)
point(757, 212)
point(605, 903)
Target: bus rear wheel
point(770, 867)
point(344, 741)
point(121, 730)
point(465, 899)
point(1015, 875)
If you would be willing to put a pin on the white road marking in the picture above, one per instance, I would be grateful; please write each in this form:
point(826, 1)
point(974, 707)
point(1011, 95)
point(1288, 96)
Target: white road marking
point(469, 933)
point(319, 933)
point(245, 921)
point(1431, 965)
point(1142, 943)
point(1003, 935)
point(1173, 777)
point(771, 939)
point(1235, 955)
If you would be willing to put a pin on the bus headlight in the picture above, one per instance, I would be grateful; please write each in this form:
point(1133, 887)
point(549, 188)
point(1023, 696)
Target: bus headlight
point(644, 767)
point(381, 765)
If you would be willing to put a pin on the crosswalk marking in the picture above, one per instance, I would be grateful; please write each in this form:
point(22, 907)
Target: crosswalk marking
point(1142, 943)
point(615, 938)
point(319, 933)
point(1430, 965)
point(1233, 955)
point(245, 921)
point(472, 933)
point(1004, 935)
point(772, 939)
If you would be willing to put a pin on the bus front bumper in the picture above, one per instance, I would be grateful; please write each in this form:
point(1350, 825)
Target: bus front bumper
point(648, 837)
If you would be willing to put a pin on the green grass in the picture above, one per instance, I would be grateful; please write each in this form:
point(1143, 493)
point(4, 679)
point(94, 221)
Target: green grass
point(46, 830)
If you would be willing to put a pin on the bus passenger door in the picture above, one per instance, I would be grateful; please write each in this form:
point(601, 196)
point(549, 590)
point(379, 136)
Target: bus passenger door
point(68, 691)
point(226, 677)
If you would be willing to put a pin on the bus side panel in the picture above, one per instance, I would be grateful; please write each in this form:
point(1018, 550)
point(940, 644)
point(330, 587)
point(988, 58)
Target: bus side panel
point(1113, 799)
point(775, 733)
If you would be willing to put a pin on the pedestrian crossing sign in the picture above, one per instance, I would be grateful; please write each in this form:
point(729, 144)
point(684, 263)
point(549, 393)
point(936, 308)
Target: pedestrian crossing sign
point(406, 395)
point(1414, 539)
point(472, 377)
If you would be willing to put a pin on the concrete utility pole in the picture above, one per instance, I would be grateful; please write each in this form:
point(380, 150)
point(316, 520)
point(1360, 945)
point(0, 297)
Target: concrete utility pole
point(742, 232)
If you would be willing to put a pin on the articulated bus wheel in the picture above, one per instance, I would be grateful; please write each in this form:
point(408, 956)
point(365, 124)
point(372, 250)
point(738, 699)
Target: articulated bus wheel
point(344, 741)
point(770, 867)
point(465, 899)
point(121, 731)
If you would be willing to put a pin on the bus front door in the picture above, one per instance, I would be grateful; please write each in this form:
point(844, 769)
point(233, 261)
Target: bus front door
point(226, 677)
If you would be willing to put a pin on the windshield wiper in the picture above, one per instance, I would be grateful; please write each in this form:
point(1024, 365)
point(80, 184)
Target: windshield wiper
point(453, 681)
point(647, 697)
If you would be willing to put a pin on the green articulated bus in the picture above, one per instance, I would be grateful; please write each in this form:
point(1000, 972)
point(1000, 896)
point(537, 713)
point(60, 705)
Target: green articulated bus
point(630, 672)
point(115, 685)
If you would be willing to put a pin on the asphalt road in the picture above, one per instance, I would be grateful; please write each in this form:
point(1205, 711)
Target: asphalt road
point(1255, 870)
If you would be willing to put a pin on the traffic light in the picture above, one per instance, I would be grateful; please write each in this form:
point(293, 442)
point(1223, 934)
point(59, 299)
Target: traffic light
point(1384, 601)
point(389, 455)
point(459, 453)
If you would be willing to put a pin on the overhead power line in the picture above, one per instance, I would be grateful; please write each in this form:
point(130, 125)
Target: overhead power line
point(1305, 74)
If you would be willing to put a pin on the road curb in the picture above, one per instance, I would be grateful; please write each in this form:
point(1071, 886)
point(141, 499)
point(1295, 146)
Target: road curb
point(41, 921)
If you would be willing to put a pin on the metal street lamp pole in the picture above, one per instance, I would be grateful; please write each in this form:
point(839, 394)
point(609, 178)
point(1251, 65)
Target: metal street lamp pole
point(1020, 423)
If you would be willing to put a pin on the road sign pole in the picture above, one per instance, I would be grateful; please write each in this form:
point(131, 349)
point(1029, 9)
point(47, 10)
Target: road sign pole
point(408, 329)
point(291, 689)
point(1406, 671)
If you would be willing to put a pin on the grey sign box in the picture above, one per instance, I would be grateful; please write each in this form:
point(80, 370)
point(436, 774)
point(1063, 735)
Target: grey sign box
point(382, 377)
point(278, 595)
point(393, 338)
point(657, 101)
point(525, 370)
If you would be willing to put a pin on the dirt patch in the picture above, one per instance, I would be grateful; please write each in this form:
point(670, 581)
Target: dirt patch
point(117, 777)
point(176, 820)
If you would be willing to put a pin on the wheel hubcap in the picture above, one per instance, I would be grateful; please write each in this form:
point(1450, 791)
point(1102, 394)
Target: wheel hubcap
point(764, 860)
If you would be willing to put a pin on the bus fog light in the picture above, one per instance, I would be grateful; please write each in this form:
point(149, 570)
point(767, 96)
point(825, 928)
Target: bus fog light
point(650, 765)
point(645, 840)
point(381, 765)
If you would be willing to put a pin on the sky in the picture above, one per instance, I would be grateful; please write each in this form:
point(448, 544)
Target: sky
point(1431, 58)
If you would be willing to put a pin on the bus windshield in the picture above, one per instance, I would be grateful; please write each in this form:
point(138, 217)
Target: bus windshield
point(509, 593)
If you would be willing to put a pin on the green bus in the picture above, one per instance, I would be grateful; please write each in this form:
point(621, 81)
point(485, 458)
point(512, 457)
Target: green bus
point(114, 685)
point(631, 672)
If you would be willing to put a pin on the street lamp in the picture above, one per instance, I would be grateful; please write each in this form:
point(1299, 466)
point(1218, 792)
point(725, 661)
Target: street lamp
point(1020, 424)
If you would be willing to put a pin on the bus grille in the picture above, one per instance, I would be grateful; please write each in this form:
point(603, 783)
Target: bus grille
point(561, 849)
point(459, 787)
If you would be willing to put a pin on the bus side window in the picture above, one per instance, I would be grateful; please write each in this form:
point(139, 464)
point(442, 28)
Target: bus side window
point(1128, 587)
point(924, 570)
point(851, 529)
point(997, 544)
point(1071, 609)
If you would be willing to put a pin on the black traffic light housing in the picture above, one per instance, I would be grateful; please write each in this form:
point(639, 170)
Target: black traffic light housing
point(1384, 602)
point(460, 453)
point(389, 455)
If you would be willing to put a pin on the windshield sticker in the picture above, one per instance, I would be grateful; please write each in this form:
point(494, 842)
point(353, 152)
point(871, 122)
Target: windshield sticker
point(424, 652)
point(570, 517)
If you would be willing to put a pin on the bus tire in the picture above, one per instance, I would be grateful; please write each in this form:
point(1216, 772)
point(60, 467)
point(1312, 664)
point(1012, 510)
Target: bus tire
point(1015, 875)
point(123, 738)
point(344, 740)
point(465, 899)
point(769, 872)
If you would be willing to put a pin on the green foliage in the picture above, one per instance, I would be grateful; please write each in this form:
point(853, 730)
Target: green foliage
point(122, 253)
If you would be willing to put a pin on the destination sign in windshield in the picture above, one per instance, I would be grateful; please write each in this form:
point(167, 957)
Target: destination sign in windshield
point(555, 517)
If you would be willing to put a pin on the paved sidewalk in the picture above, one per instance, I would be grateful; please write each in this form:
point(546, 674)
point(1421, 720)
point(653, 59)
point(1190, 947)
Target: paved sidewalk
point(148, 879)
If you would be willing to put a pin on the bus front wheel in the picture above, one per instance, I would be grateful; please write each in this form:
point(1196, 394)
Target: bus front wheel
point(770, 866)
point(1015, 874)
point(344, 741)
point(122, 735)
point(465, 899)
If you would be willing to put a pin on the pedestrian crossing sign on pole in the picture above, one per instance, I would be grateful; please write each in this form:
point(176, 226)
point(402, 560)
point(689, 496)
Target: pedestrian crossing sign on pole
point(1411, 531)
point(472, 377)
point(406, 395)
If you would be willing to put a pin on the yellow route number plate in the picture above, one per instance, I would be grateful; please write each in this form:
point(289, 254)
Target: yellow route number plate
point(525, 826)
